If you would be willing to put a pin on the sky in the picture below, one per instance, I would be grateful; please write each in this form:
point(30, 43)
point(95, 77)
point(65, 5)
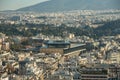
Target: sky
point(16, 4)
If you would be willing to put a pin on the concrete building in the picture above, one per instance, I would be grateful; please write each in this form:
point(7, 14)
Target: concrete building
point(6, 46)
point(94, 74)
point(62, 47)
point(115, 57)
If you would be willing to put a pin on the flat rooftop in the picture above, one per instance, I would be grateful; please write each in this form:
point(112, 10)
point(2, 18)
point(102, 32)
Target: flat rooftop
point(58, 42)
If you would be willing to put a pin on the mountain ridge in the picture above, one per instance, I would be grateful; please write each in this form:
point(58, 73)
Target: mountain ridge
point(67, 5)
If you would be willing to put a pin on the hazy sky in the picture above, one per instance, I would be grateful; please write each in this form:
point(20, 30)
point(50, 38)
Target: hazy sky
point(15, 4)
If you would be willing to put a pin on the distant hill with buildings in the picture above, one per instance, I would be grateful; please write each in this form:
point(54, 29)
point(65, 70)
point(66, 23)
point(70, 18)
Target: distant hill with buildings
point(68, 5)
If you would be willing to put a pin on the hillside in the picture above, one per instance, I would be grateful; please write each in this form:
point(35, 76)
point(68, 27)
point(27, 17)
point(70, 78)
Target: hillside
point(108, 29)
point(67, 5)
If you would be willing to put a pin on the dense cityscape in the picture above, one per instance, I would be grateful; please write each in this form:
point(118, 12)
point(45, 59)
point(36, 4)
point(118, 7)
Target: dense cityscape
point(68, 45)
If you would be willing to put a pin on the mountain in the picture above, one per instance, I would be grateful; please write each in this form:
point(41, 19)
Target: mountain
point(67, 5)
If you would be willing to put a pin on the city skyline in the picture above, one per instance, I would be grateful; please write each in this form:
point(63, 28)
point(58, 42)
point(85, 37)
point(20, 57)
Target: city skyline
point(57, 40)
point(16, 4)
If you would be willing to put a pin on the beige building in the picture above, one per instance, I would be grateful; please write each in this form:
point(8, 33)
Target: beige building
point(6, 46)
point(115, 57)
